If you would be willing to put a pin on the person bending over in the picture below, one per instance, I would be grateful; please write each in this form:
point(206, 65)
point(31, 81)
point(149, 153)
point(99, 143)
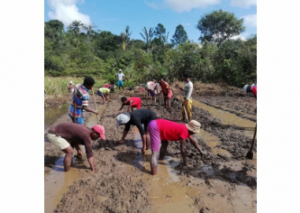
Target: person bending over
point(161, 131)
point(67, 136)
point(137, 118)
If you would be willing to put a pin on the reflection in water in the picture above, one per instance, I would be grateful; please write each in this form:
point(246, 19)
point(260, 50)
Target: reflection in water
point(53, 114)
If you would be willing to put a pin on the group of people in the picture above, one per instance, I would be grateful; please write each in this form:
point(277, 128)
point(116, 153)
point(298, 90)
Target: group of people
point(153, 89)
point(158, 131)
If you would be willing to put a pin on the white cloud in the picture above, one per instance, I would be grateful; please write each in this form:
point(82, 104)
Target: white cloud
point(250, 20)
point(242, 36)
point(182, 5)
point(66, 11)
point(153, 5)
point(187, 5)
point(243, 3)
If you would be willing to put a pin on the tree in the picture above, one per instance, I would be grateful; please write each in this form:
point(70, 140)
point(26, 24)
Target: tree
point(160, 33)
point(125, 37)
point(53, 29)
point(147, 36)
point(180, 36)
point(75, 27)
point(219, 26)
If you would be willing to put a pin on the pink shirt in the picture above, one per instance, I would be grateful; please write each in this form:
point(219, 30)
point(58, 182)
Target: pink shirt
point(172, 131)
point(107, 86)
point(136, 101)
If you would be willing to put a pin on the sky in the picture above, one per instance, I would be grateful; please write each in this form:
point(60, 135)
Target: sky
point(115, 15)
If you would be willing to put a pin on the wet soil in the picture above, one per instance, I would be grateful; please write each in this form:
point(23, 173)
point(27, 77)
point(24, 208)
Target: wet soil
point(222, 181)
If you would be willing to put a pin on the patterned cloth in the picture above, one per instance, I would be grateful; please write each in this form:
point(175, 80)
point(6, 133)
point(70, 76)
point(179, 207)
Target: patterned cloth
point(82, 99)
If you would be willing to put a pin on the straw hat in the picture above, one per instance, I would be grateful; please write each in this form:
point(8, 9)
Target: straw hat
point(193, 126)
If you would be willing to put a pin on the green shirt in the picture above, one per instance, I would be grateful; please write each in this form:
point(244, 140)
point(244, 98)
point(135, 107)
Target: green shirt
point(104, 90)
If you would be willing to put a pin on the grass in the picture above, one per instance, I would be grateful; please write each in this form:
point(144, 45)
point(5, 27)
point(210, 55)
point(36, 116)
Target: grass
point(57, 86)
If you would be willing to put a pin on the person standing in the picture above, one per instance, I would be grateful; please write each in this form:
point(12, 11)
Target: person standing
point(187, 96)
point(67, 136)
point(82, 99)
point(167, 92)
point(161, 131)
point(137, 118)
point(120, 77)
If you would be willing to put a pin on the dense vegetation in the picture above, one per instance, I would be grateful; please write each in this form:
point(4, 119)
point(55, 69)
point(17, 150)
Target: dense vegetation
point(81, 50)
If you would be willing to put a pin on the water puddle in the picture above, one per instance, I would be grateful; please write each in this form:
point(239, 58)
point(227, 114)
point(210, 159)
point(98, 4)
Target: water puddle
point(166, 191)
point(213, 141)
point(58, 181)
point(53, 114)
point(93, 118)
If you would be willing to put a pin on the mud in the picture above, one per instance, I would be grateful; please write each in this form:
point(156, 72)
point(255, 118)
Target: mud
point(222, 181)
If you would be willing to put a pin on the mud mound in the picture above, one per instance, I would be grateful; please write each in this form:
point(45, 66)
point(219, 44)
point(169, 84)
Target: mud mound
point(100, 193)
point(236, 105)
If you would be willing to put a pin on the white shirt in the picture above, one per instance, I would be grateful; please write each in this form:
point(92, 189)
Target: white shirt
point(120, 76)
point(188, 89)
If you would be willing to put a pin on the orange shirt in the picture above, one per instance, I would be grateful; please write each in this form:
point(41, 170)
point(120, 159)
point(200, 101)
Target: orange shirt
point(165, 87)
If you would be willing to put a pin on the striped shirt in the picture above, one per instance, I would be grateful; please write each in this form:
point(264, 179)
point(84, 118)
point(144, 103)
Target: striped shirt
point(82, 99)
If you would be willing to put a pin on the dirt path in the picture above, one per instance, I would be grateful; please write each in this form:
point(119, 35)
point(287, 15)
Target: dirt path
point(222, 182)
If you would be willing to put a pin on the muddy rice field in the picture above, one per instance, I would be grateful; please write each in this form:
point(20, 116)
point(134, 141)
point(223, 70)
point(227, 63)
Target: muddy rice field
point(222, 181)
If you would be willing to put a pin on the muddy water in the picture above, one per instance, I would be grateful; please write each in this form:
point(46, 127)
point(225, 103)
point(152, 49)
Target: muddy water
point(52, 114)
point(58, 181)
point(227, 118)
point(213, 141)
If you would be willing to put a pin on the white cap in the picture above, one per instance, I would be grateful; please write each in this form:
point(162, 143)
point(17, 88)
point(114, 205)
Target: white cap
point(71, 82)
point(120, 70)
point(245, 88)
point(123, 118)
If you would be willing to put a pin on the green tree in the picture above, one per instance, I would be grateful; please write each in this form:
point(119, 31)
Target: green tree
point(180, 36)
point(53, 29)
point(160, 34)
point(219, 26)
point(147, 36)
point(75, 27)
point(125, 37)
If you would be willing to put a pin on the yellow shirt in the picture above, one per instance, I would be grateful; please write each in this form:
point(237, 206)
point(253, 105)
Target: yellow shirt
point(104, 90)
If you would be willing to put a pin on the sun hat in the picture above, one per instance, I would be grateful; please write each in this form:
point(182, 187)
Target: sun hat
point(123, 118)
point(100, 129)
point(193, 126)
